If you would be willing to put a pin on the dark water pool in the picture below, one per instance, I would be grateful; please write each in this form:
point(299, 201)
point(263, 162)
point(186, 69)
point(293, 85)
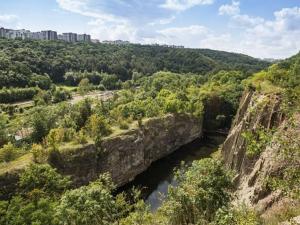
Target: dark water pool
point(155, 181)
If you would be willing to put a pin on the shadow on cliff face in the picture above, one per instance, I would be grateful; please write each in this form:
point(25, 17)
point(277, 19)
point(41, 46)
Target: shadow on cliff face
point(218, 114)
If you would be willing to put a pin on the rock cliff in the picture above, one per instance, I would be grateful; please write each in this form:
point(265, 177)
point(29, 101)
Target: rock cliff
point(129, 154)
point(256, 110)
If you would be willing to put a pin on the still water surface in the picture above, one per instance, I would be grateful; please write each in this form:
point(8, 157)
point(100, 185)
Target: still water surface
point(157, 178)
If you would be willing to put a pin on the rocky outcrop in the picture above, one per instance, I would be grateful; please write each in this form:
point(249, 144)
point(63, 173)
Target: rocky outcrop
point(129, 154)
point(256, 110)
point(293, 221)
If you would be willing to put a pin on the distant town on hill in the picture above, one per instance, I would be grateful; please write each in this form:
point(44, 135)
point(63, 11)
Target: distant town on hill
point(51, 35)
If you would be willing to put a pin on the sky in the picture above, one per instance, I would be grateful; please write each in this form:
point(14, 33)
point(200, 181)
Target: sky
point(259, 28)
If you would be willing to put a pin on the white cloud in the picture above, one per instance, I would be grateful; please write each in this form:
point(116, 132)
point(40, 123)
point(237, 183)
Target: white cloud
point(256, 36)
point(9, 21)
point(8, 18)
point(163, 21)
point(103, 25)
point(232, 9)
point(181, 5)
point(277, 38)
point(194, 36)
point(112, 31)
point(246, 21)
point(82, 7)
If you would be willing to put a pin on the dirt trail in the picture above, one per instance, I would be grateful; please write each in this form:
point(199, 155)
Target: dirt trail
point(100, 95)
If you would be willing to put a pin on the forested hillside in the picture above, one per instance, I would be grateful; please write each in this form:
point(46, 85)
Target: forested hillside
point(34, 190)
point(25, 62)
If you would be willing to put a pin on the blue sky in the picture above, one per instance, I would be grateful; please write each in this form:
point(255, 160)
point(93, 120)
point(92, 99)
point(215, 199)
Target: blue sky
point(260, 28)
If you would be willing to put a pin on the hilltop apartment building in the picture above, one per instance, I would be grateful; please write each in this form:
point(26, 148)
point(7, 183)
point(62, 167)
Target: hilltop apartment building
point(43, 35)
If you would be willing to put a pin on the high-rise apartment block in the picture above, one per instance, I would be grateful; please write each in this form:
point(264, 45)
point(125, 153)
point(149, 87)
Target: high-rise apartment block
point(69, 37)
point(49, 35)
point(84, 37)
point(43, 35)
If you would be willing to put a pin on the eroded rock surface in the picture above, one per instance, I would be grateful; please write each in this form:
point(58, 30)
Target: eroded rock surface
point(127, 155)
point(256, 110)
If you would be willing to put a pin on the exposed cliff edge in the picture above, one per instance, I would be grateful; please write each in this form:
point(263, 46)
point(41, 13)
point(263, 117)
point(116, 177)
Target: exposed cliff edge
point(129, 154)
point(256, 111)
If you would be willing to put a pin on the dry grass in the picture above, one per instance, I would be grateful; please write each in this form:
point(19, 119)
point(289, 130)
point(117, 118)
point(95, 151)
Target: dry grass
point(17, 164)
point(281, 212)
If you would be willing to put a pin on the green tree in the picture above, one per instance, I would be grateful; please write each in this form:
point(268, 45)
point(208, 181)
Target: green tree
point(41, 121)
point(40, 155)
point(202, 190)
point(3, 130)
point(84, 86)
point(8, 152)
point(92, 204)
point(45, 178)
point(98, 126)
point(42, 98)
point(60, 95)
point(20, 211)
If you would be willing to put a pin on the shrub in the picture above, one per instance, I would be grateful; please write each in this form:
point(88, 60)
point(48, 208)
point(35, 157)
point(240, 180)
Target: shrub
point(44, 178)
point(239, 215)
point(55, 137)
point(60, 95)
point(3, 131)
point(257, 141)
point(40, 155)
point(98, 126)
point(42, 98)
point(92, 204)
point(123, 125)
point(17, 94)
point(8, 153)
point(84, 86)
point(81, 137)
point(202, 190)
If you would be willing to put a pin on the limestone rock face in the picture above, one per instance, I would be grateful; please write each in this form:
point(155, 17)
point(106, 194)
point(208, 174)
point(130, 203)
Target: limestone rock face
point(256, 110)
point(129, 154)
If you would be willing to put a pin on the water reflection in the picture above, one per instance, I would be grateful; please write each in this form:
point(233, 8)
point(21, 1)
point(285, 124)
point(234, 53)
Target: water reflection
point(160, 175)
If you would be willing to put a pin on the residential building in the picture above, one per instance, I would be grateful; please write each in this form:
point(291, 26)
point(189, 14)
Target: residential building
point(69, 37)
point(117, 42)
point(44, 35)
point(60, 37)
point(49, 35)
point(95, 41)
point(36, 36)
point(84, 37)
point(2, 32)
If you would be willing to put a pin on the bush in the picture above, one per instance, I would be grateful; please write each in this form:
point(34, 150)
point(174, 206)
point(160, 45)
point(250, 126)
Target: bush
point(81, 138)
point(202, 190)
point(84, 86)
point(44, 178)
point(92, 204)
point(98, 126)
point(3, 131)
point(239, 215)
point(40, 155)
point(42, 98)
point(8, 153)
point(61, 95)
point(123, 125)
point(257, 141)
point(17, 94)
